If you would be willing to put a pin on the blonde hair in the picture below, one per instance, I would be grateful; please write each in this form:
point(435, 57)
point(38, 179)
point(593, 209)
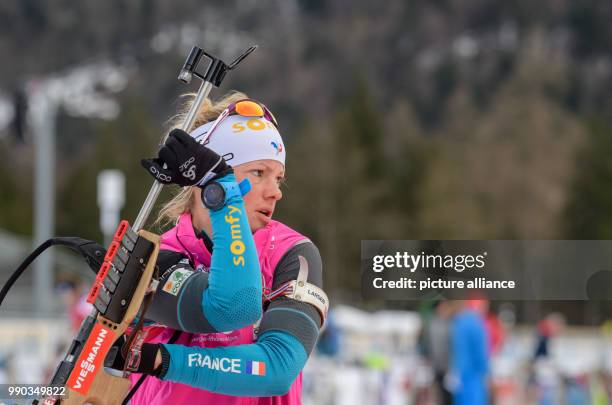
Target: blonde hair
point(208, 111)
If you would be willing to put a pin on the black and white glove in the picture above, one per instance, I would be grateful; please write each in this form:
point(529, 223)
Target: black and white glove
point(188, 162)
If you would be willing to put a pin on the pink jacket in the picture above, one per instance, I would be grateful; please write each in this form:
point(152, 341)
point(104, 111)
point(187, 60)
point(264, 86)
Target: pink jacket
point(272, 242)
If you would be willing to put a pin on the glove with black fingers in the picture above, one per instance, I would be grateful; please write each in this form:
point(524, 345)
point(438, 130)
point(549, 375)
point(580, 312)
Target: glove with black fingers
point(188, 163)
point(142, 363)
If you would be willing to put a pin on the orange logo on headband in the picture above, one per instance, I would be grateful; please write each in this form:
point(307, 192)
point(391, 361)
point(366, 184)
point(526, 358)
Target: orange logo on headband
point(254, 124)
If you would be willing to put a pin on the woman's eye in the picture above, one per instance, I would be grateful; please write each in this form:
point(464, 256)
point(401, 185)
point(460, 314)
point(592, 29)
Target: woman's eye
point(257, 173)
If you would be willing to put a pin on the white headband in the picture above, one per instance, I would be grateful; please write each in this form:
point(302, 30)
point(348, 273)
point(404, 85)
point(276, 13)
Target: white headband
point(241, 139)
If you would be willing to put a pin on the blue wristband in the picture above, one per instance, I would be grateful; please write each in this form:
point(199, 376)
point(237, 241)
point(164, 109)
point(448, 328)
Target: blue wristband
point(234, 189)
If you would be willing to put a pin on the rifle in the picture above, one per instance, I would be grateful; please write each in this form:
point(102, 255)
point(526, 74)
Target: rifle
point(126, 275)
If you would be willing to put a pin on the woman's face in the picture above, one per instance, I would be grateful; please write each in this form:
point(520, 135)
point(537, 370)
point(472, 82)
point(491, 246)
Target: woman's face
point(266, 177)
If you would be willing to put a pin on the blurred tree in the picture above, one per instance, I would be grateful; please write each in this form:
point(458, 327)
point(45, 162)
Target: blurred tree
point(120, 144)
point(15, 189)
point(589, 210)
point(355, 180)
point(504, 172)
point(362, 186)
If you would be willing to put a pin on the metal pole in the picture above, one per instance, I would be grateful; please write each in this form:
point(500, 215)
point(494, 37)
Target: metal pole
point(203, 92)
point(43, 121)
point(111, 197)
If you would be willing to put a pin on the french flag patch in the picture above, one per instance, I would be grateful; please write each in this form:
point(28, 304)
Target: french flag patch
point(256, 368)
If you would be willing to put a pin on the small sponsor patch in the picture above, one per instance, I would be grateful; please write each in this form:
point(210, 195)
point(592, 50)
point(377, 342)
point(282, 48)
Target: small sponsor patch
point(256, 368)
point(176, 280)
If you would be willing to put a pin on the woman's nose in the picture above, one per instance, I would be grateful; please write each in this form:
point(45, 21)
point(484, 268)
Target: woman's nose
point(273, 190)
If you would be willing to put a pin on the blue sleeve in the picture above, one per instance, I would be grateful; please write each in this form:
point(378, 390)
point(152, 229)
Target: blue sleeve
point(481, 347)
point(233, 297)
point(460, 348)
point(469, 345)
point(265, 368)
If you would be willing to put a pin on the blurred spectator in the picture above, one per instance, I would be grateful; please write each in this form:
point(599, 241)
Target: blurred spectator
point(377, 365)
point(545, 379)
point(74, 298)
point(4, 369)
point(493, 325)
point(469, 356)
point(547, 328)
point(495, 332)
point(598, 389)
point(329, 340)
point(436, 346)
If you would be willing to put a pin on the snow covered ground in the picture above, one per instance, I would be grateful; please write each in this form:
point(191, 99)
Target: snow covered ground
point(378, 361)
point(400, 376)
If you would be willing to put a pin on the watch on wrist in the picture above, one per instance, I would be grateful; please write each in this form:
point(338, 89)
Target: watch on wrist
point(213, 196)
point(216, 194)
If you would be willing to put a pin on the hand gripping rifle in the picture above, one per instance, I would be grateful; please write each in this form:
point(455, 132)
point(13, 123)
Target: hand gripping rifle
point(126, 275)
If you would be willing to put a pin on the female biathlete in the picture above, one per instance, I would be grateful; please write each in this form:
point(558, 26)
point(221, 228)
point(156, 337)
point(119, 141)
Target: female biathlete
point(239, 306)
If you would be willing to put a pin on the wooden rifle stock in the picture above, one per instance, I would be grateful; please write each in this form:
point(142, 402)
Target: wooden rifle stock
point(82, 371)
